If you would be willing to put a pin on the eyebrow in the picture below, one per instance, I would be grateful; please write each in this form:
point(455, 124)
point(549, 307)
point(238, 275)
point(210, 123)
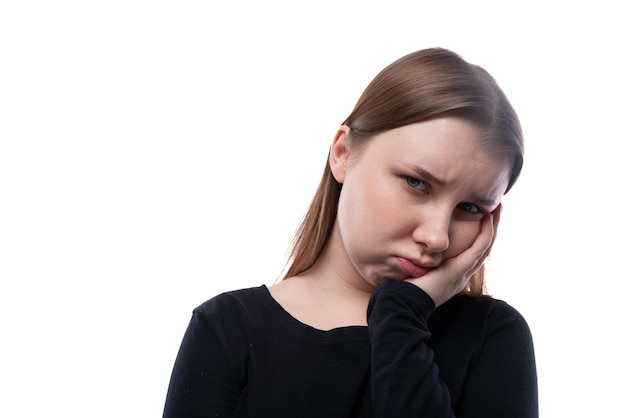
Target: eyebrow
point(431, 178)
point(484, 201)
point(426, 175)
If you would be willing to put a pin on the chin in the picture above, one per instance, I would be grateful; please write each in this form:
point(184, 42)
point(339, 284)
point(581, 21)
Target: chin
point(379, 279)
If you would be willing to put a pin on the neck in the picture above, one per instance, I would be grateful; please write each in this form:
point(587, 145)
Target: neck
point(334, 275)
point(328, 295)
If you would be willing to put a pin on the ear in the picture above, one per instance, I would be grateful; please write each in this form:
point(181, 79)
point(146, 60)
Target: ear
point(339, 154)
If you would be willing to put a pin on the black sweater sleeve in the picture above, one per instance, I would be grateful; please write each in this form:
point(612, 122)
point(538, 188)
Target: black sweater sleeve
point(500, 382)
point(208, 373)
point(405, 378)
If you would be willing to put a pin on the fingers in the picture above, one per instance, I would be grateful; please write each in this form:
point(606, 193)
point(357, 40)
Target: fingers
point(480, 248)
point(496, 221)
point(492, 231)
point(453, 274)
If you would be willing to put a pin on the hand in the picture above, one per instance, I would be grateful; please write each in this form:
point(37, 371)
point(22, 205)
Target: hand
point(451, 277)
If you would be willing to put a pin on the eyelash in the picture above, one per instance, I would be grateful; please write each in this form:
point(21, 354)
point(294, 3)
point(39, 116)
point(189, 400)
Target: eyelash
point(413, 183)
point(475, 210)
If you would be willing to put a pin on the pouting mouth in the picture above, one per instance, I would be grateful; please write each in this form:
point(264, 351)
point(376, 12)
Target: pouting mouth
point(413, 268)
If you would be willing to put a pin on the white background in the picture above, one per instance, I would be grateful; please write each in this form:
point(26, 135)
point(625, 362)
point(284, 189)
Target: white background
point(156, 153)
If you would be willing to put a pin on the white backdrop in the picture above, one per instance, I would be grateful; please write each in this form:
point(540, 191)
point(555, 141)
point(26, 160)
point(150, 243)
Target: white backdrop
point(156, 153)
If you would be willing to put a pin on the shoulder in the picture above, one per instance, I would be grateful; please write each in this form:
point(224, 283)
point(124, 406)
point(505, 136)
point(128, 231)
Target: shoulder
point(486, 341)
point(483, 316)
point(233, 299)
point(233, 305)
point(226, 317)
point(484, 308)
point(489, 330)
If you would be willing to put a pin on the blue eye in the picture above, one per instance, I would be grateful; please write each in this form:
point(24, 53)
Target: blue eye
point(470, 208)
point(415, 183)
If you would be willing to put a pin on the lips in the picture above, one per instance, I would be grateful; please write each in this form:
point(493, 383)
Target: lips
point(410, 268)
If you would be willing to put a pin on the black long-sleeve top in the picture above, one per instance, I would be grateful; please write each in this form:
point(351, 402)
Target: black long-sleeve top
point(243, 355)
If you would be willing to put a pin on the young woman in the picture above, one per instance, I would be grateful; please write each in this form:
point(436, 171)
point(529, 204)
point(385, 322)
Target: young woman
point(382, 311)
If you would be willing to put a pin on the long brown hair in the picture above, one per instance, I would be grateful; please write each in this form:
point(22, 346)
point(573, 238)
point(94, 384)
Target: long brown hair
point(418, 86)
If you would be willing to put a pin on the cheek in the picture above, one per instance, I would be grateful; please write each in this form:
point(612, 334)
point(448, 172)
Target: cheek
point(462, 235)
point(362, 217)
point(366, 202)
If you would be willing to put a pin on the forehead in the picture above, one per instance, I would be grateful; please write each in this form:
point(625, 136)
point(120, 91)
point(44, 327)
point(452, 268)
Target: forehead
point(449, 147)
point(448, 136)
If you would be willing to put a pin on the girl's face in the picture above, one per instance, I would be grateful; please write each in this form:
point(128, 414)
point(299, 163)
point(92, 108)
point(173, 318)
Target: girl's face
point(412, 197)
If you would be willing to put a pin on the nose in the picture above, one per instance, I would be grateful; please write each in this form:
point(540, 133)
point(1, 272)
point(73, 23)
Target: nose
point(433, 230)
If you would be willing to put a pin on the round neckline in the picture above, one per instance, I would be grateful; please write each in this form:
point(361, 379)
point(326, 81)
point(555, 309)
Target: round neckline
point(348, 331)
